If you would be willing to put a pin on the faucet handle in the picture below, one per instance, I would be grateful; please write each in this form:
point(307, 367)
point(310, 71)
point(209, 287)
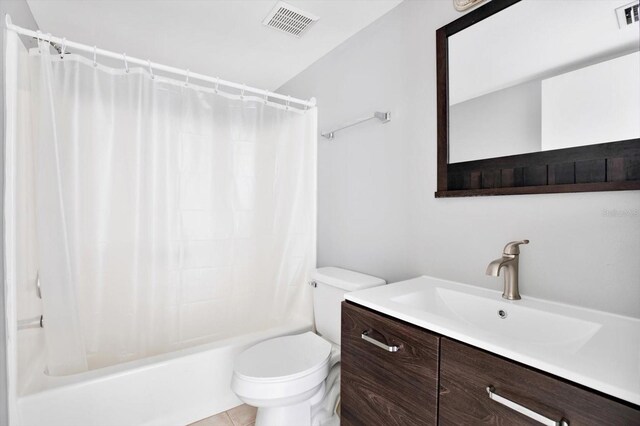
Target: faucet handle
point(513, 247)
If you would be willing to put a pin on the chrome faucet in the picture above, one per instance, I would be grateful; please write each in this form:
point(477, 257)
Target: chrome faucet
point(508, 261)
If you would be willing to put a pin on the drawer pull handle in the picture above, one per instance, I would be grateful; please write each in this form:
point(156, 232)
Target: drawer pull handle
point(365, 336)
point(524, 410)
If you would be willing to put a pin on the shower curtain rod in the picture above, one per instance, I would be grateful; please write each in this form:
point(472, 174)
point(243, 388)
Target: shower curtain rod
point(147, 63)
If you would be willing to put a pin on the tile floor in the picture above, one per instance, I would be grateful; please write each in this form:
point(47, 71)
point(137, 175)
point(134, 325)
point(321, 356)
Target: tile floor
point(242, 415)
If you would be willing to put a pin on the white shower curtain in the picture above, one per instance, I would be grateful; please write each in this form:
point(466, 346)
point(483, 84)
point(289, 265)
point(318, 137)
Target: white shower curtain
point(167, 215)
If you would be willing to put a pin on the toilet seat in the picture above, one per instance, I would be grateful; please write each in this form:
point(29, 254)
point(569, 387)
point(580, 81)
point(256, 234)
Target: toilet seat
point(283, 359)
point(282, 370)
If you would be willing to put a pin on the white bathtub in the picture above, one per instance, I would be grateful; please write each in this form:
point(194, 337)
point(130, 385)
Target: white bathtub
point(172, 389)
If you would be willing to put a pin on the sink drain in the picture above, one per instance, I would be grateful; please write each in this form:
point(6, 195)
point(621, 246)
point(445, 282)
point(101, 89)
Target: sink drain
point(502, 313)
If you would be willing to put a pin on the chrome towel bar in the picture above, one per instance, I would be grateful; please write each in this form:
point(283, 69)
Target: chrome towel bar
point(385, 117)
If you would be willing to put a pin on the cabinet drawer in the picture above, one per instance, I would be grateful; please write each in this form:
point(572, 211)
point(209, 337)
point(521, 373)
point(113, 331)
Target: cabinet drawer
point(380, 387)
point(466, 373)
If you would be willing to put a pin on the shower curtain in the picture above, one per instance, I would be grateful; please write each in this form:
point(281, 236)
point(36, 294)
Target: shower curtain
point(166, 214)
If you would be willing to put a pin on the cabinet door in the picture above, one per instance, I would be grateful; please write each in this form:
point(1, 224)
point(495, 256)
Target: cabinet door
point(466, 373)
point(382, 387)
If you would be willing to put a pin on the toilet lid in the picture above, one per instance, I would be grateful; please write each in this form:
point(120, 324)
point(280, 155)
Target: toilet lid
point(283, 358)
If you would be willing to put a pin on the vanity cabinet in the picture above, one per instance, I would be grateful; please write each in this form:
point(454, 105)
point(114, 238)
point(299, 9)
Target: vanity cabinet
point(466, 373)
point(431, 379)
point(389, 371)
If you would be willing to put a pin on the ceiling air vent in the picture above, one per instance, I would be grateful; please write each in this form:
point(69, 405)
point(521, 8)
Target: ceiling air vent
point(627, 14)
point(286, 18)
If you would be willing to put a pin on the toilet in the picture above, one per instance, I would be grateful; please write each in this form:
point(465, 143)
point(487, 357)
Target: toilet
point(295, 380)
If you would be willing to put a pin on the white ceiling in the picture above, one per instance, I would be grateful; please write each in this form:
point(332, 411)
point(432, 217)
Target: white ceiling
point(532, 39)
point(222, 38)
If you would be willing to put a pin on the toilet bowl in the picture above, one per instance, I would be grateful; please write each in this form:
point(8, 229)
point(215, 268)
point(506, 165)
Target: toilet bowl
point(284, 377)
point(295, 380)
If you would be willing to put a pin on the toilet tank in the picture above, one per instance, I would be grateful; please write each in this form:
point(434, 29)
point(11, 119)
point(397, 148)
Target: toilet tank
point(330, 286)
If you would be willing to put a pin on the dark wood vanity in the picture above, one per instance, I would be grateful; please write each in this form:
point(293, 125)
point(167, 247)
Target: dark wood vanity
point(382, 387)
point(411, 376)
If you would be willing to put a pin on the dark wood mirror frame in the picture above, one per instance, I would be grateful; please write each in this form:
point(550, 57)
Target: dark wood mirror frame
point(611, 166)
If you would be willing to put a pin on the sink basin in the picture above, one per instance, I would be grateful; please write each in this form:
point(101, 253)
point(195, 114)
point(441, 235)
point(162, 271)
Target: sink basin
point(506, 318)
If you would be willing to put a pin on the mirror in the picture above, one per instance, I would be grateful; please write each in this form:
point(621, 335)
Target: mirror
point(537, 96)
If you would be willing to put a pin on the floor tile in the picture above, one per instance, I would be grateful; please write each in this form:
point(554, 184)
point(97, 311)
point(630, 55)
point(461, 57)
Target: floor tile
point(243, 415)
point(221, 419)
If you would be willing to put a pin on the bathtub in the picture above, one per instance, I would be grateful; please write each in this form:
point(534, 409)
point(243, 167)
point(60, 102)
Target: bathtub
point(172, 389)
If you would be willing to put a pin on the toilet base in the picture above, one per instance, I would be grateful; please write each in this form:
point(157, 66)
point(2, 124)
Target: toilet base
point(293, 415)
point(299, 414)
point(289, 415)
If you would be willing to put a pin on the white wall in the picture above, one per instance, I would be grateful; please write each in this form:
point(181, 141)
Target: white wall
point(20, 15)
point(542, 35)
point(377, 212)
point(504, 122)
point(594, 104)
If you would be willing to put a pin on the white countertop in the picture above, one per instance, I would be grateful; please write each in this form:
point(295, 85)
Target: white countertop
point(596, 349)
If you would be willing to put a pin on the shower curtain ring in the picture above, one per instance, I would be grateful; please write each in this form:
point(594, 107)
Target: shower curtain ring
point(126, 64)
point(186, 81)
point(288, 102)
point(266, 96)
point(39, 39)
point(63, 48)
point(95, 56)
point(244, 87)
point(217, 84)
point(153, 77)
